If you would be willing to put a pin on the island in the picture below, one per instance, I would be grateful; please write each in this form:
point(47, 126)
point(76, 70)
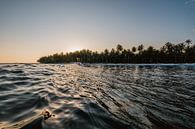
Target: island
point(183, 52)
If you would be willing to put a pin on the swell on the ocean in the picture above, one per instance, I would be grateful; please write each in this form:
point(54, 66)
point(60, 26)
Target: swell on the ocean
point(98, 96)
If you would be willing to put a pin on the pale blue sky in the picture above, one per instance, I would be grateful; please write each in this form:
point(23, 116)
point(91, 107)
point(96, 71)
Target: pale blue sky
point(33, 28)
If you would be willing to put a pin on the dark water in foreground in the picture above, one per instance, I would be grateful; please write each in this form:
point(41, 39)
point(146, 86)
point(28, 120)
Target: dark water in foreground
point(97, 97)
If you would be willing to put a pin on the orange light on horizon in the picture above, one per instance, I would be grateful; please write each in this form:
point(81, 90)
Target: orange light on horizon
point(74, 48)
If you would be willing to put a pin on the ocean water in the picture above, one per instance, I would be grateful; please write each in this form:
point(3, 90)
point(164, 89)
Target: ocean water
point(98, 96)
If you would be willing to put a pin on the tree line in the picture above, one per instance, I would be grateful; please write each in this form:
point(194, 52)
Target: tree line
point(169, 53)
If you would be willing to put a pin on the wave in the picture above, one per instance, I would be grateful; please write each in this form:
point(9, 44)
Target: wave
point(98, 96)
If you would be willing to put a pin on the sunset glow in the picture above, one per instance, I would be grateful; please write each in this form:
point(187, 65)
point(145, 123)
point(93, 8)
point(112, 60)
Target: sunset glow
point(31, 29)
point(73, 49)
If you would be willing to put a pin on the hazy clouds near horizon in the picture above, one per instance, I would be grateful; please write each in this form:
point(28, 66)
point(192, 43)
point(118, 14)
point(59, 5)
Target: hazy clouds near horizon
point(30, 29)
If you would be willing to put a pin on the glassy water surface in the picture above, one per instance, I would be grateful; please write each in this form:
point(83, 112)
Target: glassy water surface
point(98, 96)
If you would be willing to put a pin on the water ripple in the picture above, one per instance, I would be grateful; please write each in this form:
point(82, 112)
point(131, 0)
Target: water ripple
point(98, 96)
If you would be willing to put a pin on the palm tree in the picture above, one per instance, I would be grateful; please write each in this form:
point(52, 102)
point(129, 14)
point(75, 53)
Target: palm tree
point(187, 50)
point(119, 48)
point(106, 54)
point(129, 55)
point(140, 48)
point(134, 49)
point(188, 42)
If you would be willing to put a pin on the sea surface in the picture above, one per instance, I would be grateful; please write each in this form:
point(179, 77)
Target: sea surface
point(97, 96)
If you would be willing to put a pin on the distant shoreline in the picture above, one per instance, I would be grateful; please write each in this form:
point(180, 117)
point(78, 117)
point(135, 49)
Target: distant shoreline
point(19, 63)
point(169, 53)
point(111, 63)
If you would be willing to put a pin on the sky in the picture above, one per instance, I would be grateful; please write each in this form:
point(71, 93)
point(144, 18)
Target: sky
point(30, 29)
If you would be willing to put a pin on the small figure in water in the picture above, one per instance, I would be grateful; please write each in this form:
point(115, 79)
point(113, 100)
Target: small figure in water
point(46, 114)
point(34, 122)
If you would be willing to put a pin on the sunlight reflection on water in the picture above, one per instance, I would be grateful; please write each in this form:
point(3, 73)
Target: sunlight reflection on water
point(102, 96)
